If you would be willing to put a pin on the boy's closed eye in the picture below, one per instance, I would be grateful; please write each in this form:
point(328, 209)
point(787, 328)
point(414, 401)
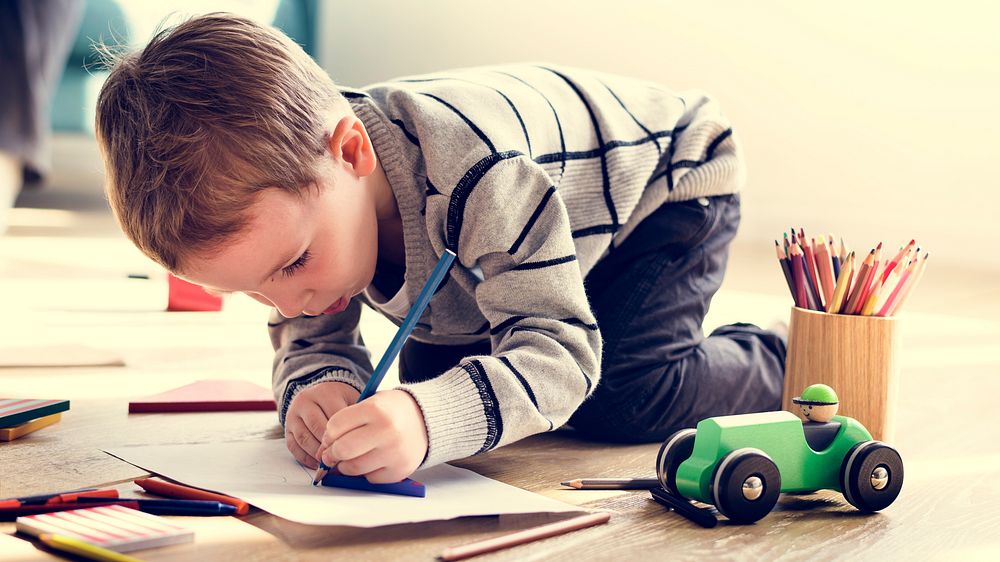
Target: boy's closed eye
point(298, 264)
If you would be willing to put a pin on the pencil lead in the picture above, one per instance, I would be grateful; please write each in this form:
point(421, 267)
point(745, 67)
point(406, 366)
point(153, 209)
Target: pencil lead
point(879, 247)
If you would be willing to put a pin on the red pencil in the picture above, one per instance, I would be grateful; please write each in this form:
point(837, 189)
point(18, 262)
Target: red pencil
point(798, 276)
point(811, 279)
point(824, 267)
point(869, 282)
point(171, 490)
point(910, 284)
point(895, 261)
point(859, 284)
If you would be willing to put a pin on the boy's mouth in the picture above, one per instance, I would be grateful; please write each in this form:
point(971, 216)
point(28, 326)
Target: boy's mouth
point(336, 307)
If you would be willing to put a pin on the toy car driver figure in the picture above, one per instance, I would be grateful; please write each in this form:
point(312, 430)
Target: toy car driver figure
point(819, 403)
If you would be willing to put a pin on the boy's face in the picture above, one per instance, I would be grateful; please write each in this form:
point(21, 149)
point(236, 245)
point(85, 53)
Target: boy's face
point(305, 254)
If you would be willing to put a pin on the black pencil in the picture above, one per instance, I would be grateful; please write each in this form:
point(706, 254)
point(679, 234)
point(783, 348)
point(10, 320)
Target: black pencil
point(613, 483)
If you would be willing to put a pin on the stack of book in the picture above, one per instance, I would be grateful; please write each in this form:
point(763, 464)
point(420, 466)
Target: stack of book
point(21, 416)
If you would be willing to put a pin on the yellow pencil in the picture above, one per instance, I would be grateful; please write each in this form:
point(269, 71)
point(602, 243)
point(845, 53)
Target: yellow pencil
point(869, 308)
point(84, 549)
point(843, 282)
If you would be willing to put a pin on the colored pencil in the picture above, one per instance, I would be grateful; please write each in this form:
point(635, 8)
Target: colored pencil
point(874, 295)
point(172, 507)
point(171, 490)
point(870, 281)
point(612, 483)
point(812, 281)
point(402, 334)
point(798, 276)
point(890, 302)
point(835, 258)
point(58, 497)
point(910, 284)
point(885, 291)
point(843, 283)
point(824, 268)
point(522, 537)
point(785, 268)
point(155, 507)
point(905, 250)
point(859, 284)
point(83, 549)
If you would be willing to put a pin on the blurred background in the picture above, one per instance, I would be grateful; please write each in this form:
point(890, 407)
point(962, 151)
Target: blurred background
point(871, 120)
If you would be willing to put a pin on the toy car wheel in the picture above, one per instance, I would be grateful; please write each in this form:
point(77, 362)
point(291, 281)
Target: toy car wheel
point(746, 485)
point(675, 450)
point(871, 476)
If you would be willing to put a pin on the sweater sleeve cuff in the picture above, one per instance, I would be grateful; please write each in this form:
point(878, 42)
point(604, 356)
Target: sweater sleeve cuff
point(454, 413)
point(323, 375)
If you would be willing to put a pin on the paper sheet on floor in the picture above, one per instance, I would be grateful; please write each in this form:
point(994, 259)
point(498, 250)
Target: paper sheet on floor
point(265, 475)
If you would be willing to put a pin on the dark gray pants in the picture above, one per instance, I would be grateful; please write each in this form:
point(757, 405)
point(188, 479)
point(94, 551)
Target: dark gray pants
point(35, 37)
point(650, 296)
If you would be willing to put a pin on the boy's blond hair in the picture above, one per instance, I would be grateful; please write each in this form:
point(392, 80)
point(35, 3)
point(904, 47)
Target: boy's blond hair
point(193, 126)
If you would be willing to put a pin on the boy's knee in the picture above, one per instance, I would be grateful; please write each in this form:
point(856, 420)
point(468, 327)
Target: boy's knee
point(621, 417)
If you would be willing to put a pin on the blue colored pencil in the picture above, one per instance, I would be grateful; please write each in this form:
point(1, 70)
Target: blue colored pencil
point(416, 311)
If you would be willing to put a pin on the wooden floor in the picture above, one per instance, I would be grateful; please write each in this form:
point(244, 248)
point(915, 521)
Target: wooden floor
point(63, 280)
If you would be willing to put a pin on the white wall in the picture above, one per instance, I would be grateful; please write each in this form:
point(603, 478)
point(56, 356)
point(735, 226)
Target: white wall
point(874, 120)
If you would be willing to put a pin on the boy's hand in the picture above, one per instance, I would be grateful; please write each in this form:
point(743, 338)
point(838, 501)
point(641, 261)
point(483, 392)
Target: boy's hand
point(383, 438)
point(308, 413)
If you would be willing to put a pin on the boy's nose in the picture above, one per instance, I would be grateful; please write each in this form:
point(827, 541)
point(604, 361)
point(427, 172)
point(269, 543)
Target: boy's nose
point(287, 306)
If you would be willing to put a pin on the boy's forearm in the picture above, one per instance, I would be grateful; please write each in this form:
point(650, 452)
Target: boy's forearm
point(531, 384)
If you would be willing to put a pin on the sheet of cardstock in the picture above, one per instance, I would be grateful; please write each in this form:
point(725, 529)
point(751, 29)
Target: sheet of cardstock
point(263, 473)
point(207, 396)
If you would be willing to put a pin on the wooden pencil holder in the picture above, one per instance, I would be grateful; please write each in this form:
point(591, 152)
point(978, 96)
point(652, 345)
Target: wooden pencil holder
point(855, 355)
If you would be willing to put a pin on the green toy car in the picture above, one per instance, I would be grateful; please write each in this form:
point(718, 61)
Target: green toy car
point(742, 463)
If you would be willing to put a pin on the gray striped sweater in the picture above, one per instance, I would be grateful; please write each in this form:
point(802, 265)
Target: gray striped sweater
point(530, 174)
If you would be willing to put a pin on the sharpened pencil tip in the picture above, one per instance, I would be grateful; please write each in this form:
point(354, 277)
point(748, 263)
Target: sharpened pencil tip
point(564, 483)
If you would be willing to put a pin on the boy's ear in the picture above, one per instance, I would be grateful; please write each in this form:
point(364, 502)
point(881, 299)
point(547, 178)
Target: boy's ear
point(351, 144)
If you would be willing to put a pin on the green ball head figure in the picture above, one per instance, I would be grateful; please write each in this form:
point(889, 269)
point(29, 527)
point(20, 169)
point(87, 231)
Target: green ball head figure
point(819, 403)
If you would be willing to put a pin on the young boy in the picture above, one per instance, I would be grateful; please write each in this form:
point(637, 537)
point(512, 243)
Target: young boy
point(590, 213)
